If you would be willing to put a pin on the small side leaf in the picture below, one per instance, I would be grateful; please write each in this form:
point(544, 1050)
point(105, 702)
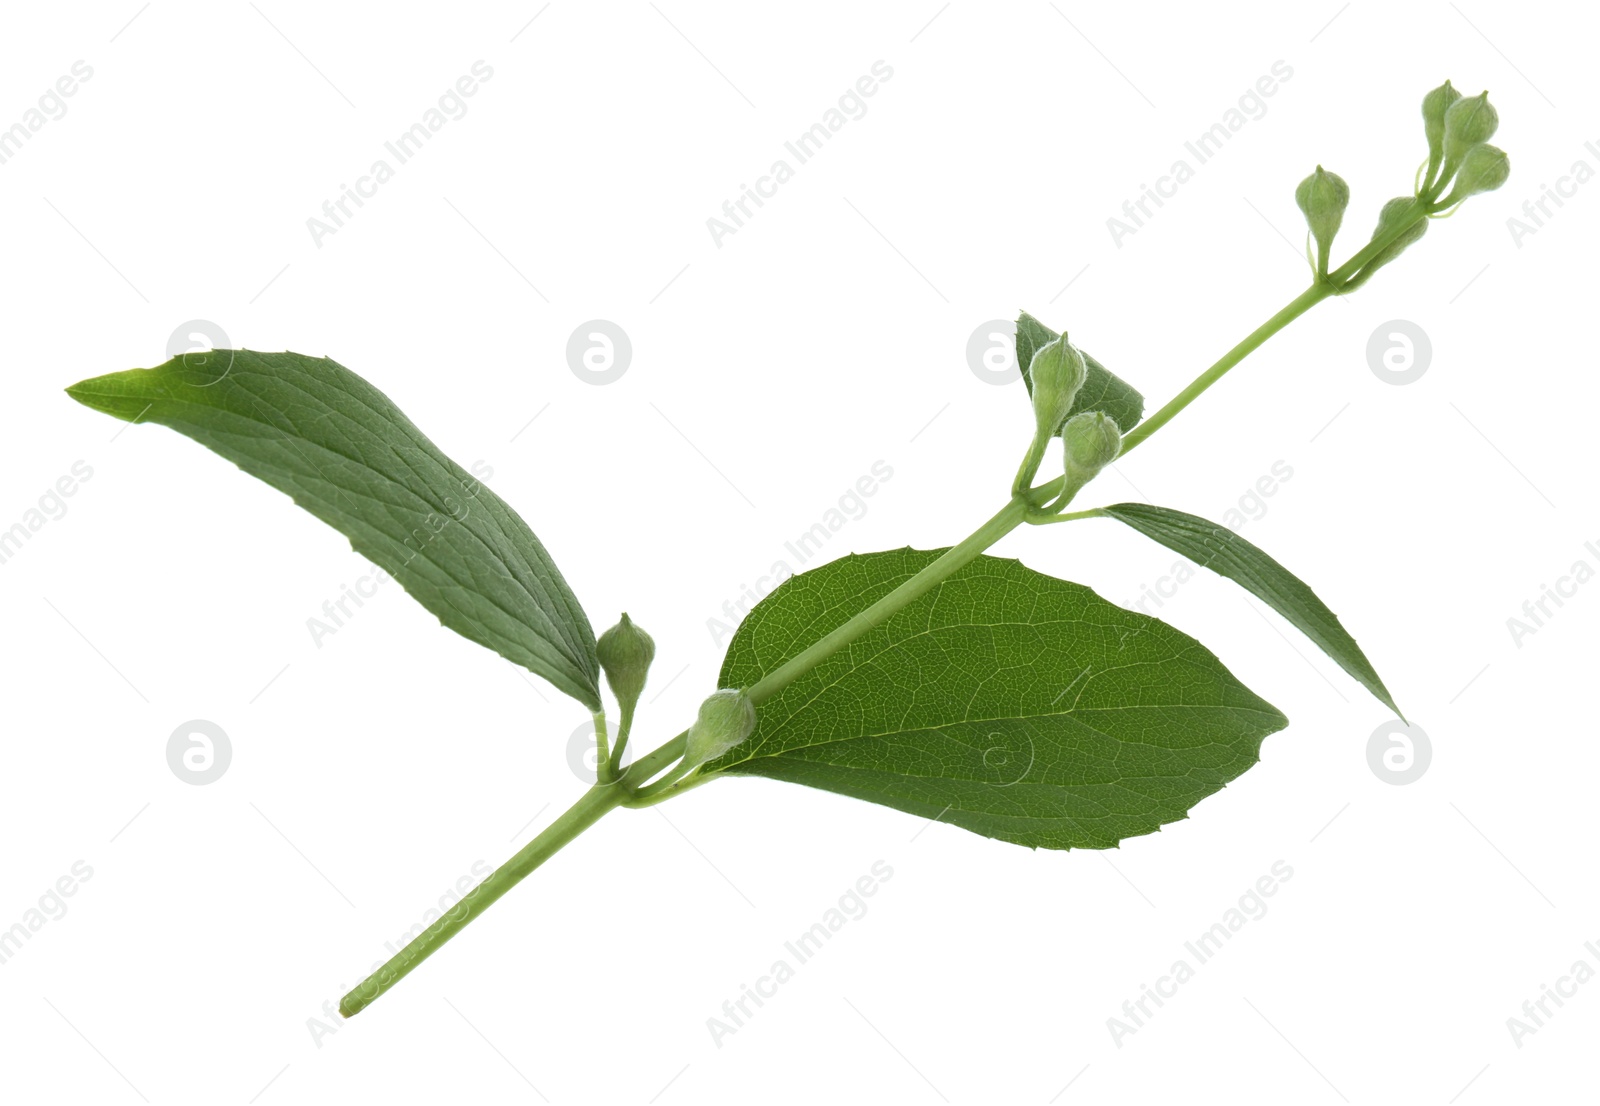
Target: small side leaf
point(1005, 701)
point(1102, 391)
point(318, 432)
point(1227, 554)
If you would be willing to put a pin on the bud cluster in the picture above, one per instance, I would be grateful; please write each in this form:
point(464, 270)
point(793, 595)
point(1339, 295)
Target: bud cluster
point(1458, 129)
point(1460, 160)
point(1458, 145)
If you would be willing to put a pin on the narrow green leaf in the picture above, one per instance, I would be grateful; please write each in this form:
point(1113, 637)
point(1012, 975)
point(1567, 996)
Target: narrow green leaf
point(1007, 702)
point(1227, 554)
point(317, 431)
point(1103, 390)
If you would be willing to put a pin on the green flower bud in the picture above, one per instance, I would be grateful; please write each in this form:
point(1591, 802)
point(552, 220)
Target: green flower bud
point(1057, 371)
point(726, 718)
point(1092, 441)
point(1467, 122)
point(625, 653)
point(1394, 212)
point(1434, 106)
point(1484, 169)
point(1323, 196)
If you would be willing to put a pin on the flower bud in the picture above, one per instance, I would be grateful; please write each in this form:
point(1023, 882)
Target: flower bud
point(726, 718)
point(1057, 371)
point(1434, 106)
point(1323, 196)
point(1484, 169)
point(625, 653)
point(1394, 212)
point(1092, 440)
point(1467, 122)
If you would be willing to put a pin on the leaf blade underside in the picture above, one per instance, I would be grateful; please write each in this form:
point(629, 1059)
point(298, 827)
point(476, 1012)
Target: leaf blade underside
point(1007, 702)
point(343, 451)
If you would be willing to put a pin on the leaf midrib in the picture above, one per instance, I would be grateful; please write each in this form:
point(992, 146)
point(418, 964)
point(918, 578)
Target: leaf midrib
point(454, 580)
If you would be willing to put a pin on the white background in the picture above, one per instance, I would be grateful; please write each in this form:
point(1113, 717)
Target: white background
point(768, 375)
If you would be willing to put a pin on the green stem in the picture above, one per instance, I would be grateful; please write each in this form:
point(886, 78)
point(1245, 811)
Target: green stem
point(605, 797)
point(1341, 276)
point(1071, 516)
point(595, 803)
point(642, 795)
point(624, 728)
point(602, 759)
point(1030, 463)
point(628, 787)
point(650, 796)
point(1007, 519)
point(1296, 307)
point(1291, 311)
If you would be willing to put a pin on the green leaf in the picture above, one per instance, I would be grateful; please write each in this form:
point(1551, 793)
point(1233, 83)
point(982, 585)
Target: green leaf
point(1007, 702)
point(1227, 554)
point(344, 452)
point(1103, 390)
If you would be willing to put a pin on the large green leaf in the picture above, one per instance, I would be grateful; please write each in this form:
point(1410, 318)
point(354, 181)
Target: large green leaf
point(1227, 554)
point(1007, 702)
point(344, 452)
point(1102, 390)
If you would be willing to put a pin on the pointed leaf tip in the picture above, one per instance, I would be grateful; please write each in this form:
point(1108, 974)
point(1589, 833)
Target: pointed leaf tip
point(1227, 554)
point(343, 451)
